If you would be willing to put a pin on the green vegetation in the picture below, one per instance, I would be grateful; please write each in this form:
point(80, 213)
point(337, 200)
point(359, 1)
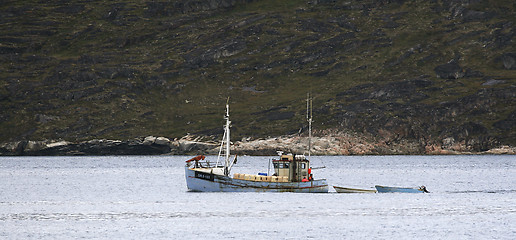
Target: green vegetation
point(123, 69)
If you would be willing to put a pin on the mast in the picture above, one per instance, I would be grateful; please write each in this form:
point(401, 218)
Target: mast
point(226, 165)
point(309, 119)
point(225, 144)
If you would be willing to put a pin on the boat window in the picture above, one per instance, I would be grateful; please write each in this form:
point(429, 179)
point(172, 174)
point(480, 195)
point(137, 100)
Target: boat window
point(285, 165)
point(276, 165)
point(303, 165)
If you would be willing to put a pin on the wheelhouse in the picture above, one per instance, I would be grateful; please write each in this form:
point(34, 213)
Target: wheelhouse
point(294, 167)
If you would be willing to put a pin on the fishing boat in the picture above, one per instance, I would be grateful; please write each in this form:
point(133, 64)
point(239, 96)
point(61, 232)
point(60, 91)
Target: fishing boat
point(353, 190)
point(385, 189)
point(292, 173)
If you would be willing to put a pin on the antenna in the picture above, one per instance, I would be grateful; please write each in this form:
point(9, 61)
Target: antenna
point(309, 119)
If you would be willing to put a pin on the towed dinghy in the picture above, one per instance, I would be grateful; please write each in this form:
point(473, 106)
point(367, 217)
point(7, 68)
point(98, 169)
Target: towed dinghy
point(385, 189)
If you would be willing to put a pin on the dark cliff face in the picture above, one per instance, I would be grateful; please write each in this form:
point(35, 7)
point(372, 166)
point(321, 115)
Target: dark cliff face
point(394, 70)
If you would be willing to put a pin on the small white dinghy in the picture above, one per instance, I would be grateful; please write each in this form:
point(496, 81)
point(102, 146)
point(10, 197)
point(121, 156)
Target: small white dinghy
point(353, 190)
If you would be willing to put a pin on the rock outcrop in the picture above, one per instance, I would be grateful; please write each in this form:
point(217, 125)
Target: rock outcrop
point(332, 143)
point(148, 146)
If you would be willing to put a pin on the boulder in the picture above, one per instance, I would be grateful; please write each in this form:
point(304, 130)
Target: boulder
point(491, 82)
point(149, 140)
point(192, 147)
point(509, 61)
point(57, 144)
point(12, 148)
point(162, 141)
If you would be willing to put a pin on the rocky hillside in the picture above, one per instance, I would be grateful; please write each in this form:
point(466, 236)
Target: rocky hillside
point(437, 74)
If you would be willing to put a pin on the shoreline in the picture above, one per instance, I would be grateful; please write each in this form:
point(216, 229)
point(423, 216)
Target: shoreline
point(332, 145)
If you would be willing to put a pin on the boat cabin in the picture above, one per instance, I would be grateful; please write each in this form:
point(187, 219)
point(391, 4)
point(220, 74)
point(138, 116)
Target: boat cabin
point(294, 167)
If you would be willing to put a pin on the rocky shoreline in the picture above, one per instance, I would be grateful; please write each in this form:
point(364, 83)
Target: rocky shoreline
point(338, 144)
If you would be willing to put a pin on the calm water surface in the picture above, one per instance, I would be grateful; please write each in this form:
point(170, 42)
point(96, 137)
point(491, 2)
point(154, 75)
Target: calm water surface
point(140, 197)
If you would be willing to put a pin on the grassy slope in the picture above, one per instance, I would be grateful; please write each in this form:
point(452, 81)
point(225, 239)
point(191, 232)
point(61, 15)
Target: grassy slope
point(155, 74)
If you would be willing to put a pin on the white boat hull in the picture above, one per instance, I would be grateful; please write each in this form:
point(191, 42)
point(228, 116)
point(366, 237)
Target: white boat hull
point(353, 190)
point(200, 181)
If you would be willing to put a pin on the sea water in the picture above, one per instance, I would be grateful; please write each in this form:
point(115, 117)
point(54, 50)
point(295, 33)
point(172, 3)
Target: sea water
point(145, 197)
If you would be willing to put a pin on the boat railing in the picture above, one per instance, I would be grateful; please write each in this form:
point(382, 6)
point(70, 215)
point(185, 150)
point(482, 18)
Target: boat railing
point(211, 164)
point(204, 164)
